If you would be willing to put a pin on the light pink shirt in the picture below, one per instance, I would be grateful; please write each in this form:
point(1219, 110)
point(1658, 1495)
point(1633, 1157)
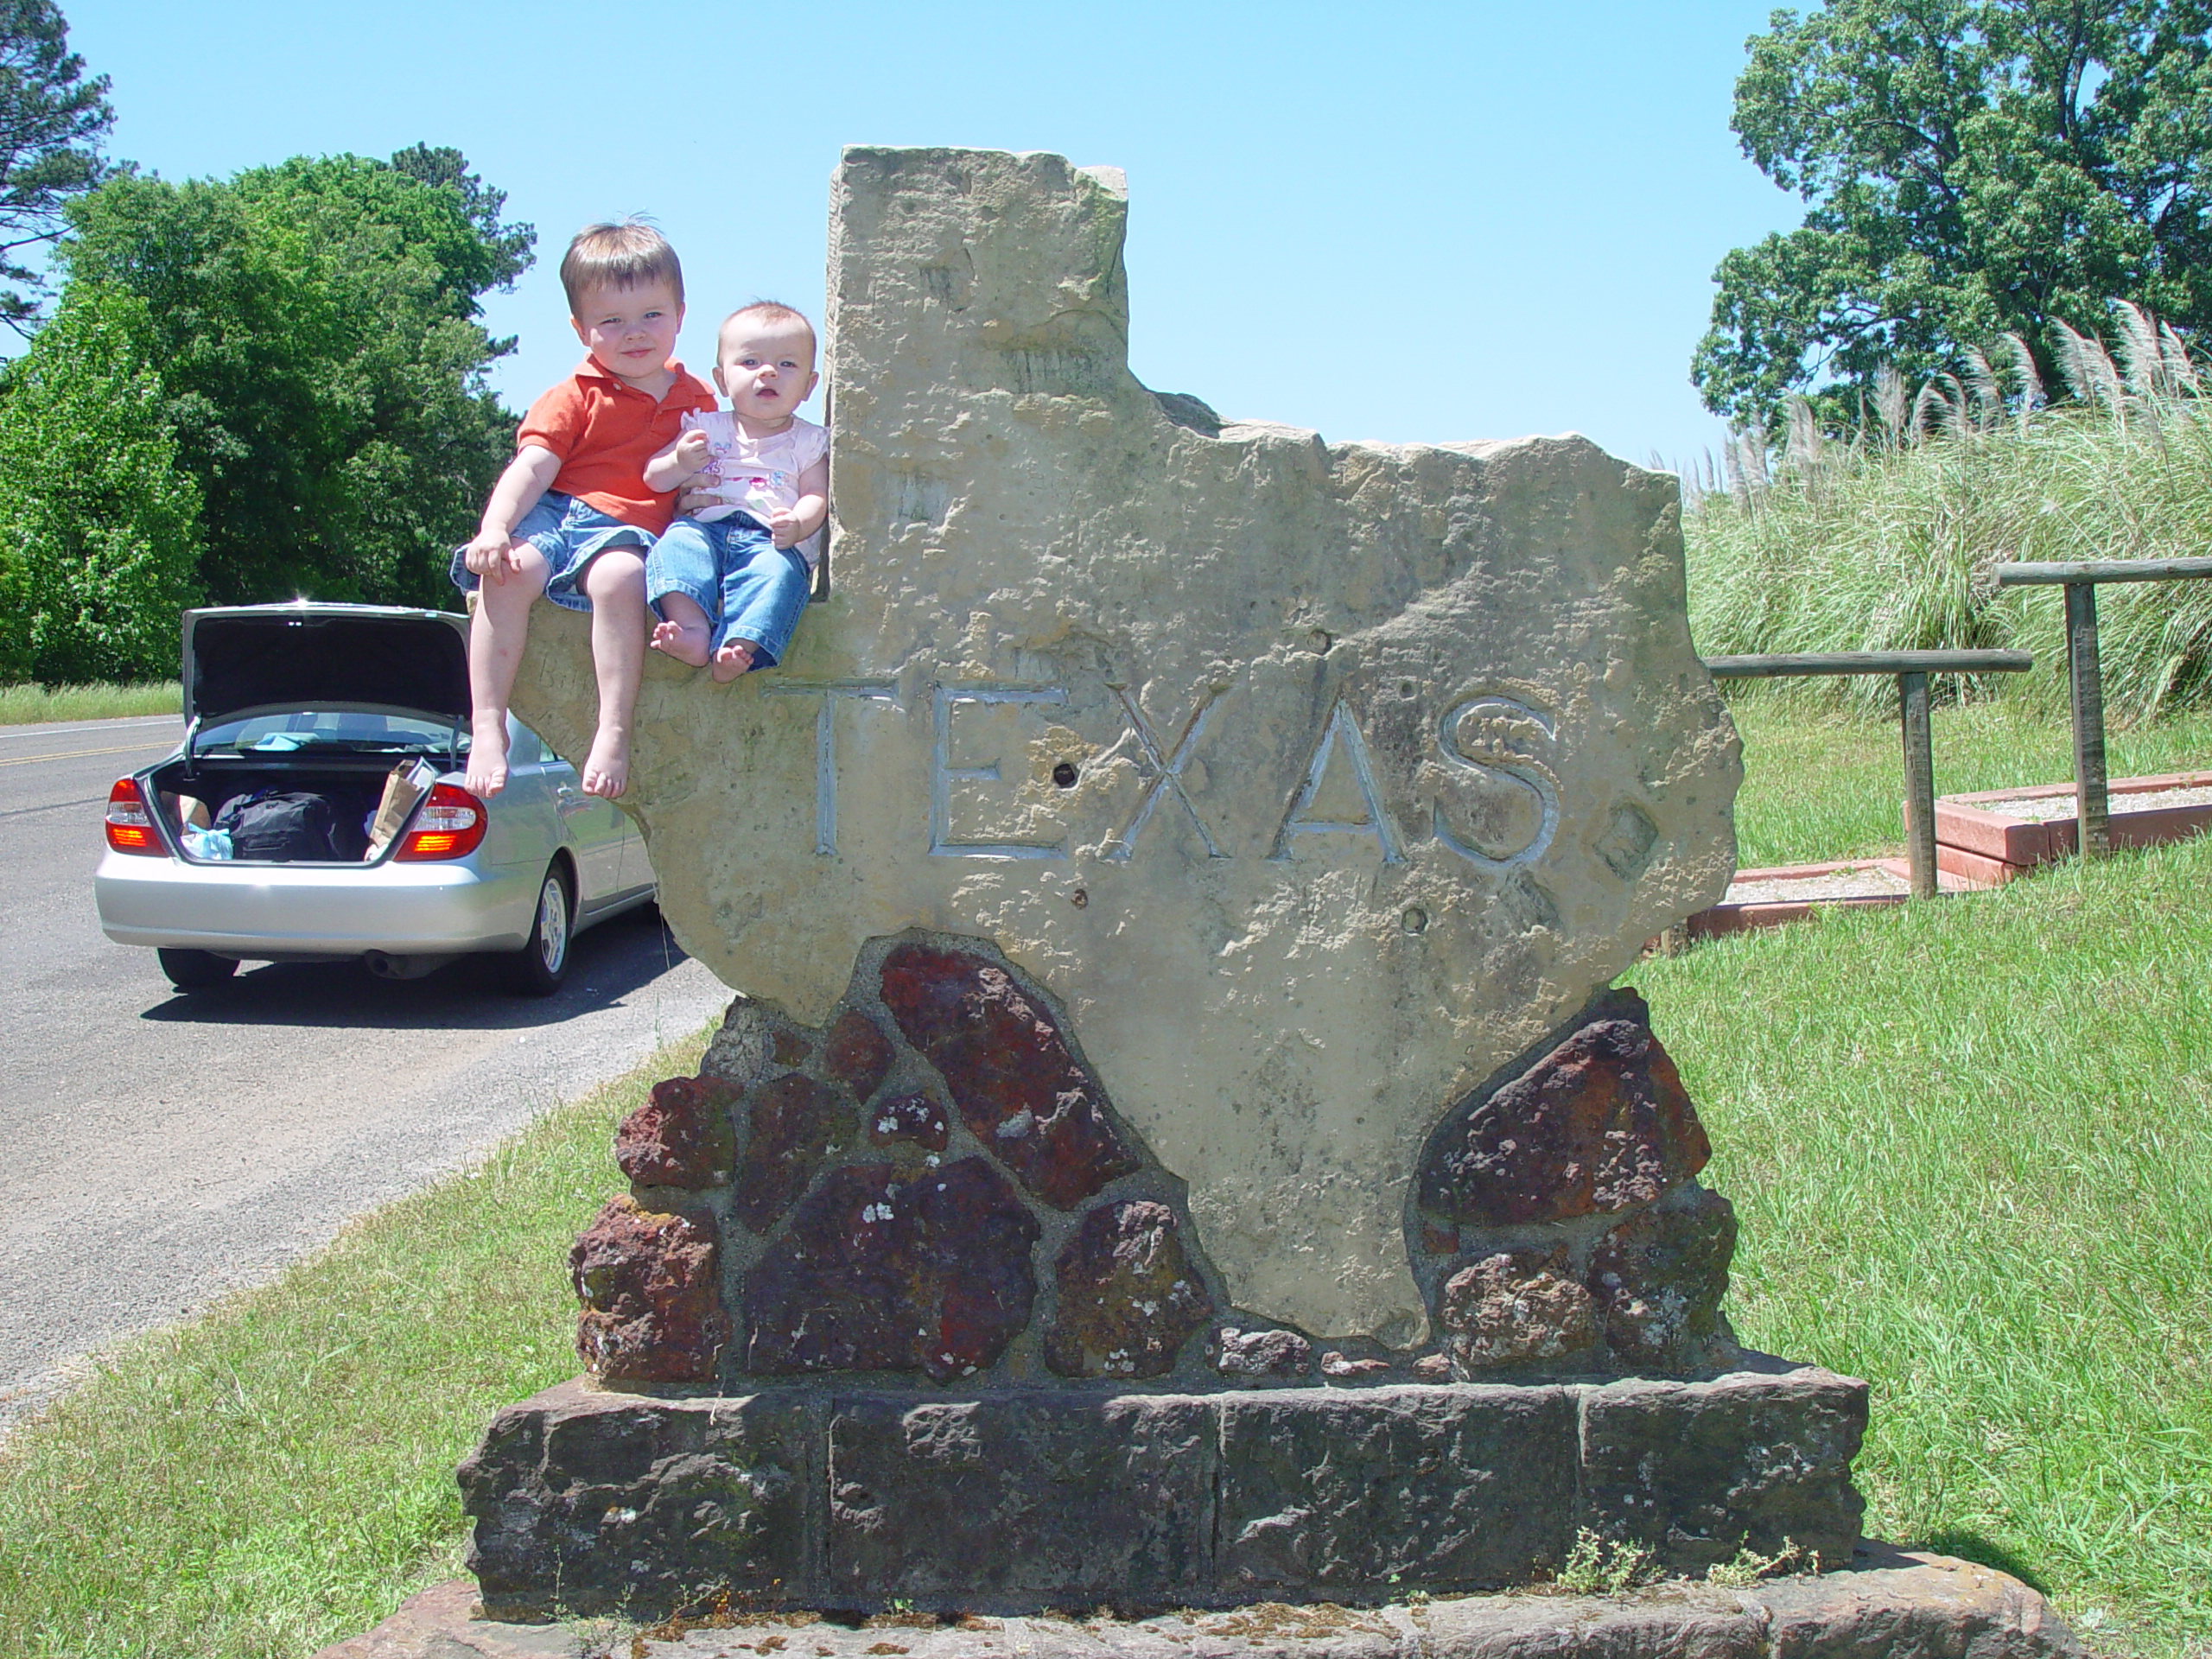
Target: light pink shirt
point(760, 475)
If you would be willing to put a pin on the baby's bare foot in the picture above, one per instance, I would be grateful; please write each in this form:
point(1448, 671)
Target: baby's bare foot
point(685, 645)
point(606, 768)
point(732, 660)
point(487, 757)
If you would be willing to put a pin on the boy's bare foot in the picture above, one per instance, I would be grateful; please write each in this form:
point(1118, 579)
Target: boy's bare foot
point(606, 768)
point(732, 660)
point(488, 756)
point(685, 645)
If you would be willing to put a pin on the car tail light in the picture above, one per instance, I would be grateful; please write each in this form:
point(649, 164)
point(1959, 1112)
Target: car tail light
point(130, 825)
point(449, 825)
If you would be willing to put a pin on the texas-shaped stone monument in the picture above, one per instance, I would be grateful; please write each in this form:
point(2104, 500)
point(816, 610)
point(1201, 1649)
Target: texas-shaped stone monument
point(1316, 780)
point(1174, 881)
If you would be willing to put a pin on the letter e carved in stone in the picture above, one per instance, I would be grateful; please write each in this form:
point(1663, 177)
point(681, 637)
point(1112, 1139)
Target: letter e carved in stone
point(944, 774)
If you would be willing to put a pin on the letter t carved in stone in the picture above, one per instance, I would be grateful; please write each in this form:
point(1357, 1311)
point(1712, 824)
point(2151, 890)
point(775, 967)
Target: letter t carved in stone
point(826, 742)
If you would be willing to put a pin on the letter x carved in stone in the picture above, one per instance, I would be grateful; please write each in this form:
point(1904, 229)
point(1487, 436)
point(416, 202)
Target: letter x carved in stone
point(1168, 771)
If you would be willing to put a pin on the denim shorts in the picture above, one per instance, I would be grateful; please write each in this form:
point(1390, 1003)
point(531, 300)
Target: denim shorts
point(571, 533)
point(733, 571)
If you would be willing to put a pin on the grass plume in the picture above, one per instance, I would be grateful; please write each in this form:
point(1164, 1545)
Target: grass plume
point(1886, 540)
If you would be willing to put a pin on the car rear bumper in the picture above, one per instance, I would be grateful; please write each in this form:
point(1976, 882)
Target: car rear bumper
point(285, 910)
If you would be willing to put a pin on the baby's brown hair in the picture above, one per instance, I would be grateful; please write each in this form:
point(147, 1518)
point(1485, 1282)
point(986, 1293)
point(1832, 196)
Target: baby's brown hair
point(767, 311)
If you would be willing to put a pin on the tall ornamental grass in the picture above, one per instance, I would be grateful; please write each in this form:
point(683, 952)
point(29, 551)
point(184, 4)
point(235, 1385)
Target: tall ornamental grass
point(1890, 542)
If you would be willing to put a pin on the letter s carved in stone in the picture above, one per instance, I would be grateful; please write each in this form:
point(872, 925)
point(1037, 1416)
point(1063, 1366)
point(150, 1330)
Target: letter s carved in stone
point(1484, 740)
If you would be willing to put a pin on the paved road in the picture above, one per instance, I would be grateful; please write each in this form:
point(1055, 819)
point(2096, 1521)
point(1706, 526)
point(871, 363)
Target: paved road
point(162, 1149)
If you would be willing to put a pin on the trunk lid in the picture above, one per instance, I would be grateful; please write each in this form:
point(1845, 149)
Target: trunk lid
point(246, 659)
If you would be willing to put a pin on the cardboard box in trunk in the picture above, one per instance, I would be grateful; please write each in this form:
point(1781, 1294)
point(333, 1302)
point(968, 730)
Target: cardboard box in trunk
point(407, 784)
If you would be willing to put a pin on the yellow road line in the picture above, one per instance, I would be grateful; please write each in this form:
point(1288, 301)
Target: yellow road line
point(80, 755)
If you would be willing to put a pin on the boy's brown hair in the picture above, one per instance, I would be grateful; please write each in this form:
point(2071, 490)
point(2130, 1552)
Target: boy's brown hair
point(618, 255)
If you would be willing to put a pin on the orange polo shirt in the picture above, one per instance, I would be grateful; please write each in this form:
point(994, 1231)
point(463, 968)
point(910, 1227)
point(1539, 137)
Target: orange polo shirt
point(605, 430)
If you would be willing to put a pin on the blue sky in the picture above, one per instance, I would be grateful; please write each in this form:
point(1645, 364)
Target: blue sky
point(1387, 221)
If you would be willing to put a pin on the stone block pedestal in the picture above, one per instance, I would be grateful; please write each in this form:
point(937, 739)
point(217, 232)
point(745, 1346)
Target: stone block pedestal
point(1887, 1605)
point(1011, 1502)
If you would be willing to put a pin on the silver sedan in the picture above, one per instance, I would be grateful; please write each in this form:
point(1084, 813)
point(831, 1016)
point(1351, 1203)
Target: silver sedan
point(315, 809)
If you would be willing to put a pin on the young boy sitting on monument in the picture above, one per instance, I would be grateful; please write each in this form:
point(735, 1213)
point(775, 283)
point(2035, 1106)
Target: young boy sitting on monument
point(573, 515)
point(729, 579)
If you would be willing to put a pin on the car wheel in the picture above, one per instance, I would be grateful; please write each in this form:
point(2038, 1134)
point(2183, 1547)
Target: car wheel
point(195, 970)
point(539, 966)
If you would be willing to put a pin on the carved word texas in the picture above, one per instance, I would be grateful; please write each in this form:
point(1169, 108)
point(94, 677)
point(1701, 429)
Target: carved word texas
point(1482, 736)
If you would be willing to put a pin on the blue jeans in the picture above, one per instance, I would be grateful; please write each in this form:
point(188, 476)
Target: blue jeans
point(570, 532)
point(733, 570)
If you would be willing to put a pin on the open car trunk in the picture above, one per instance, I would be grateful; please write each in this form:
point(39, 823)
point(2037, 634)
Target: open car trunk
point(318, 706)
point(196, 797)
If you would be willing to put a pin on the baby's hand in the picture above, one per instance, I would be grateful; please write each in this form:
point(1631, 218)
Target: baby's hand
point(783, 527)
point(692, 453)
point(492, 554)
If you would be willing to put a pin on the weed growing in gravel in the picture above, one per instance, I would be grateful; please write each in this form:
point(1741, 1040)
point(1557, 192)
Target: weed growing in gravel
point(1747, 1567)
point(1600, 1566)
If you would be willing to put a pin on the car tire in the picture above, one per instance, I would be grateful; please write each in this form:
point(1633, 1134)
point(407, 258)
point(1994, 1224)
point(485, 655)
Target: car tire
point(539, 966)
point(196, 971)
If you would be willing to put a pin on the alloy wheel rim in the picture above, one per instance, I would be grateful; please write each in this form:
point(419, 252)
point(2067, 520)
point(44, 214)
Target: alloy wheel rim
point(553, 924)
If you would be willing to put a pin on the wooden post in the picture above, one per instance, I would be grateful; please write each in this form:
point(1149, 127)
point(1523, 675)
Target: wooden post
point(1919, 783)
point(2090, 806)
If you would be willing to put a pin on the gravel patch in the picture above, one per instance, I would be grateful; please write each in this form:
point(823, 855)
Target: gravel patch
point(2042, 809)
point(1867, 882)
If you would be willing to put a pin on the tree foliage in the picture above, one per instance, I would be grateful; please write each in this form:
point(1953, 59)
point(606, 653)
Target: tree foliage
point(98, 539)
point(51, 121)
point(1971, 167)
point(315, 326)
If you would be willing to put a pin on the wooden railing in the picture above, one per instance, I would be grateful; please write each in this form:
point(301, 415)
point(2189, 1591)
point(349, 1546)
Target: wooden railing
point(2092, 809)
point(1912, 669)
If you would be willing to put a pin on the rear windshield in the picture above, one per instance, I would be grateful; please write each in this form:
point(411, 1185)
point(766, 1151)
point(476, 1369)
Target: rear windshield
point(331, 734)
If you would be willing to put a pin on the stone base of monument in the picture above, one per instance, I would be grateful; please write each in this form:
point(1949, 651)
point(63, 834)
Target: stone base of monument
point(1018, 1502)
point(1886, 1602)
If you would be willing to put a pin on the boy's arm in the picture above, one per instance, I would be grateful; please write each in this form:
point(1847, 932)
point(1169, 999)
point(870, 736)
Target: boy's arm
point(790, 528)
point(678, 461)
point(528, 476)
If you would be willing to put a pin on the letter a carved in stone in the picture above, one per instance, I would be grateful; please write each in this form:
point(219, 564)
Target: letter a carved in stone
point(1339, 728)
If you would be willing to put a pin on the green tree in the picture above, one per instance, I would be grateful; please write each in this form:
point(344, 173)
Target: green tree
point(316, 328)
point(97, 525)
point(1971, 167)
point(501, 252)
point(51, 121)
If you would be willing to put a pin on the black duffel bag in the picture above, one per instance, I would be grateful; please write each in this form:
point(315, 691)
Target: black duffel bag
point(282, 826)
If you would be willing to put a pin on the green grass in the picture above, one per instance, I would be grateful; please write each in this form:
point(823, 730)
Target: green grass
point(278, 1474)
point(34, 705)
point(1970, 1142)
point(1971, 1145)
point(1824, 784)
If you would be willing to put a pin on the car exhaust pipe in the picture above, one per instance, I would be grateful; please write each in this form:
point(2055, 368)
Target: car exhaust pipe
point(386, 966)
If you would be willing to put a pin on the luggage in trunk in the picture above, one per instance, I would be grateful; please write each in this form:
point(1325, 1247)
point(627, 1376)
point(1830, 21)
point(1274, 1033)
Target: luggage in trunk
point(277, 814)
point(280, 826)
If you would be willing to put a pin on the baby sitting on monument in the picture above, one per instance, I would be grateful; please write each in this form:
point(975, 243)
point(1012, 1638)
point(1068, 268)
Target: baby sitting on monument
point(728, 579)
